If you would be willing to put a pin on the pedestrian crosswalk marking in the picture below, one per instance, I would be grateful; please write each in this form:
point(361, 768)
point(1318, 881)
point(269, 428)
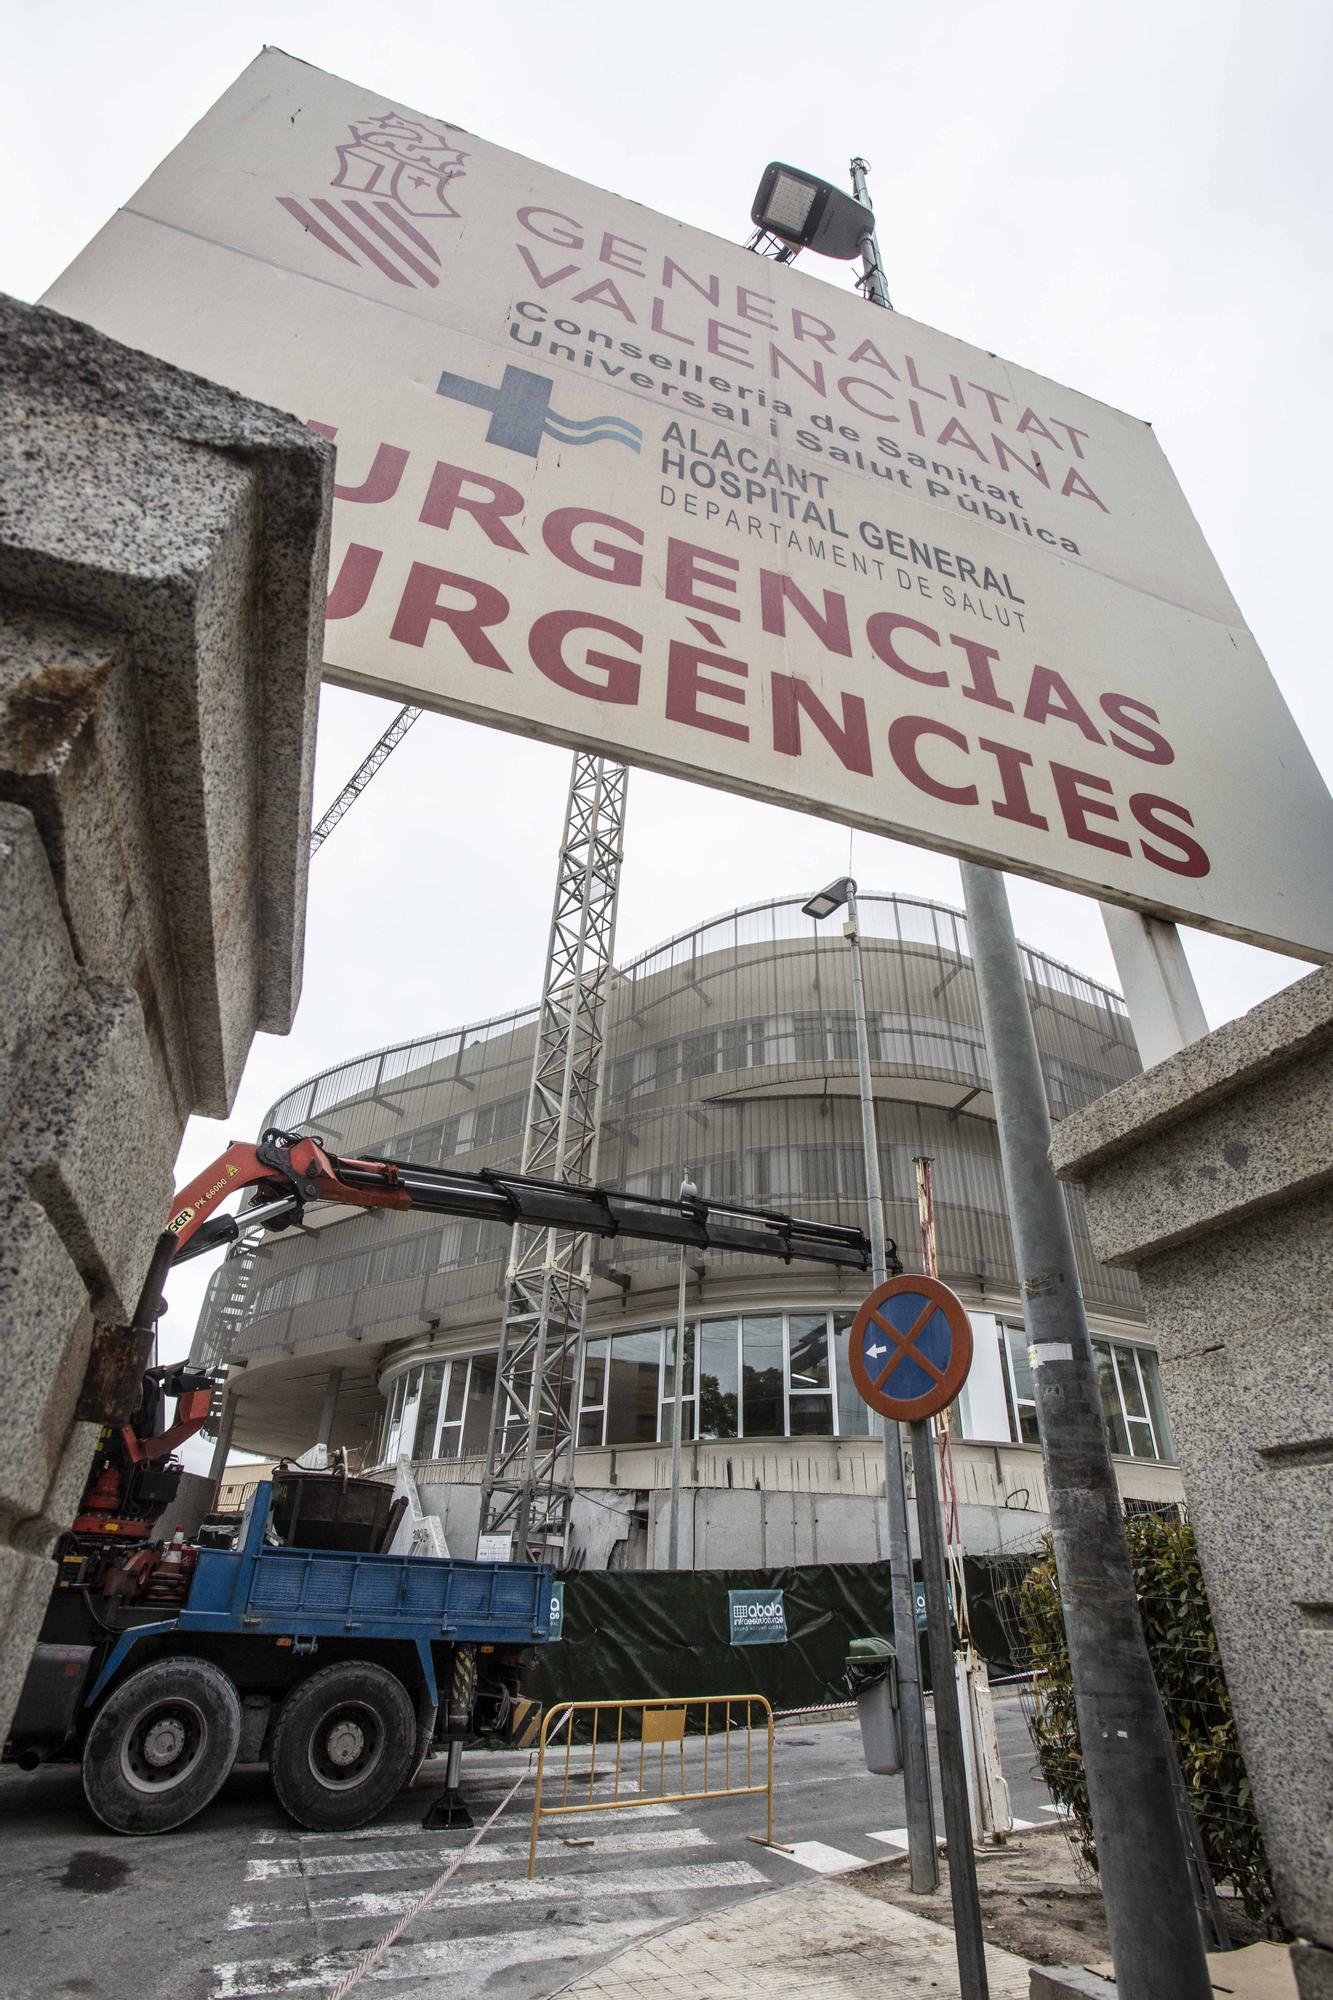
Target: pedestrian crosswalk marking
point(270, 1836)
point(896, 1836)
point(814, 1854)
point(448, 1958)
point(313, 1900)
point(284, 1836)
point(685, 1879)
point(379, 1861)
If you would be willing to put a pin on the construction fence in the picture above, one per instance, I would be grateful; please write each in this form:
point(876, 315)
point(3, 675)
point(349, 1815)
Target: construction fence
point(637, 1753)
point(783, 1634)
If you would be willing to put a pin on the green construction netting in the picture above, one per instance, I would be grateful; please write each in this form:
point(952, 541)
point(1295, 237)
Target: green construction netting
point(630, 1634)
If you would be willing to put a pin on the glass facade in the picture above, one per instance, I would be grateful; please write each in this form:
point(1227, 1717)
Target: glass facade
point(747, 1375)
point(730, 1050)
point(1129, 1377)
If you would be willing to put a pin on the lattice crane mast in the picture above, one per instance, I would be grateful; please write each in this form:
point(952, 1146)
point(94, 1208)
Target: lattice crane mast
point(362, 776)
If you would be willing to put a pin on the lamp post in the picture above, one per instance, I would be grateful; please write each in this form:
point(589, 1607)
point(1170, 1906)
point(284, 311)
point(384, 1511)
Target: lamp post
point(922, 1858)
point(689, 1193)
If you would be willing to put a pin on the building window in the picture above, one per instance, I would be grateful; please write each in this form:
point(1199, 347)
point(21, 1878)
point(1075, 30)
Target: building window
point(688, 1397)
point(1020, 1392)
point(761, 1375)
point(439, 1424)
point(592, 1399)
point(477, 1409)
point(853, 1413)
point(633, 1390)
point(432, 1383)
point(1129, 1379)
point(719, 1379)
point(809, 1385)
point(393, 1429)
point(754, 1375)
point(440, 1411)
point(453, 1406)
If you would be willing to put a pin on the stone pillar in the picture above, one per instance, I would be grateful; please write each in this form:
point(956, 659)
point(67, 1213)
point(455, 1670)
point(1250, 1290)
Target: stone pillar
point(329, 1410)
point(1211, 1176)
point(163, 563)
point(222, 1443)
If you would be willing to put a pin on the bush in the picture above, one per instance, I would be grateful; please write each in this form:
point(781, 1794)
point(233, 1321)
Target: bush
point(1182, 1645)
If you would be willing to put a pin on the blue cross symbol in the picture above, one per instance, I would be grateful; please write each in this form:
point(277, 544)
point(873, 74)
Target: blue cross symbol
point(521, 413)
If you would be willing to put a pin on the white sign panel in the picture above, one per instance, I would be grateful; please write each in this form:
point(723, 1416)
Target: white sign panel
point(607, 480)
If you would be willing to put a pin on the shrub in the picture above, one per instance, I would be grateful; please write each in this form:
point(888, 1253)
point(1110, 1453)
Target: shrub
point(1182, 1645)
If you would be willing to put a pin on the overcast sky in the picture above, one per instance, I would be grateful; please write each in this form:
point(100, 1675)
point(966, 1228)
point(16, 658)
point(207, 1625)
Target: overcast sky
point(1134, 200)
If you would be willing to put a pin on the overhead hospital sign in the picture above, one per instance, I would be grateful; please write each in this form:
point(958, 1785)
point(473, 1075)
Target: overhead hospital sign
point(610, 481)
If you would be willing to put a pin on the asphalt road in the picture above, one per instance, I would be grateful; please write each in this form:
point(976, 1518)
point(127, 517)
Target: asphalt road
point(241, 1904)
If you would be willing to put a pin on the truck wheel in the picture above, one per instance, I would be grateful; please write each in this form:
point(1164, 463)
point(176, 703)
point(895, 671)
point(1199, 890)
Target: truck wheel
point(161, 1745)
point(343, 1746)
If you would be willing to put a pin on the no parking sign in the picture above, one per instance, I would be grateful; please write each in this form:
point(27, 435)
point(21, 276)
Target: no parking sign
point(910, 1348)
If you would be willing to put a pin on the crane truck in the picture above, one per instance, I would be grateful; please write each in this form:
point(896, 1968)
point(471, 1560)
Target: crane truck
point(305, 1646)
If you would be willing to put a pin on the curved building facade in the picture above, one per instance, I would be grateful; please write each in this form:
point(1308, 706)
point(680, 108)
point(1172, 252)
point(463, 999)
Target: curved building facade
point(730, 1054)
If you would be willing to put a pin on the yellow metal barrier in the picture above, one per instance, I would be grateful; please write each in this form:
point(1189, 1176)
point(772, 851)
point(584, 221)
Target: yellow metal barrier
point(625, 1779)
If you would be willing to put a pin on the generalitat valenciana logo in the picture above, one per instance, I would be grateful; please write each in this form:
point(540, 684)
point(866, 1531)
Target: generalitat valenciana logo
point(402, 174)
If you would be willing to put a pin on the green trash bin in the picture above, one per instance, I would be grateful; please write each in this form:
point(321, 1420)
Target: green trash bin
point(871, 1678)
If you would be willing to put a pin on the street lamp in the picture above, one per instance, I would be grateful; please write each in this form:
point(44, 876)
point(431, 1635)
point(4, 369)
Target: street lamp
point(830, 899)
point(916, 1774)
point(806, 213)
point(689, 1196)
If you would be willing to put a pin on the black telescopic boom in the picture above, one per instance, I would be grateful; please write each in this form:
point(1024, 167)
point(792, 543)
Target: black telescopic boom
point(512, 1198)
point(495, 1196)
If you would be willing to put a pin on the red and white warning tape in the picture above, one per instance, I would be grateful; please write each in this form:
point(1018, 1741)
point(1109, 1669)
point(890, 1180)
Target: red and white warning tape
point(370, 1959)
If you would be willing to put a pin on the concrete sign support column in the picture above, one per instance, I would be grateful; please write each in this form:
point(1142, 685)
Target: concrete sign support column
point(1127, 1753)
point(1165, 1011)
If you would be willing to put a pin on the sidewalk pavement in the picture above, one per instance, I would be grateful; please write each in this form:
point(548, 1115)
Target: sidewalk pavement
point(821, 1938)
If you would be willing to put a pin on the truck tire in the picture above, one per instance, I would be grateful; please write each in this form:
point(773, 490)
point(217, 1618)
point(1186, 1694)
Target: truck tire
point(344, 1745)
point(161, 1745)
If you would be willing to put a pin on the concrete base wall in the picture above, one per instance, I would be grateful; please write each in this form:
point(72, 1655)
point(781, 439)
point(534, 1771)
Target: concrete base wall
point(757, 1503)
point(1212, 1175)
point(163, 560)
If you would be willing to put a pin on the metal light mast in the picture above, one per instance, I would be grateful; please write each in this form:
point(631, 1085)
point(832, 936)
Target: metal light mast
point(528, 1483)
point(362, 776)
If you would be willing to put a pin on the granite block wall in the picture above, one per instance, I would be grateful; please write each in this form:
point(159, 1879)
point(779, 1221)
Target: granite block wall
point(1212, 1177)
point(163, 563)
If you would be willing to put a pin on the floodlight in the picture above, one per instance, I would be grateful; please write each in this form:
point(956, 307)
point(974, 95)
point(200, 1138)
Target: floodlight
point(809, 214)
point(830, 899)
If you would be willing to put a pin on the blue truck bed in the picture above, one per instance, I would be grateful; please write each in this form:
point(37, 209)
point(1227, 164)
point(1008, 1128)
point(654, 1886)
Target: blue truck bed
point(317, 1593)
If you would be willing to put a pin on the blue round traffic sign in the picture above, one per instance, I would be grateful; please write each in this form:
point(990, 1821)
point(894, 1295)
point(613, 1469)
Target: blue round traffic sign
point(910, 1348)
